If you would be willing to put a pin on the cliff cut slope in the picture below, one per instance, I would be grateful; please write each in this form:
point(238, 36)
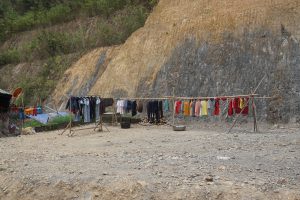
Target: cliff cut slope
point(209, 47)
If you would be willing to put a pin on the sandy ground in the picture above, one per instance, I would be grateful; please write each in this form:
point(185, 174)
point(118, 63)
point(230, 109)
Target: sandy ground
point(152, 163)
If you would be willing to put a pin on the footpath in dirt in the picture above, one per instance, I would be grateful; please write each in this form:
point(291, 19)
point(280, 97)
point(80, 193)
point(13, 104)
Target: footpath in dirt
point(152, 163)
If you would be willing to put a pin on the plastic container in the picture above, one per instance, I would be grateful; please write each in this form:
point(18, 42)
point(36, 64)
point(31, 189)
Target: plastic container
point(125, 125)
point(179, 128)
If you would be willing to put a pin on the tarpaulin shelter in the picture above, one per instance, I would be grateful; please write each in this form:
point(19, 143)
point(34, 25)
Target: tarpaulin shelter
point(5, 98)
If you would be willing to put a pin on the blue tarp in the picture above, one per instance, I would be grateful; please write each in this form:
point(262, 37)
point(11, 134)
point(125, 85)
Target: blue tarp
point(45, 118)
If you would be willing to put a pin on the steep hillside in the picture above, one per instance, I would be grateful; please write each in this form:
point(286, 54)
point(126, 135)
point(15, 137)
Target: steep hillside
point(211, 47)
point(81, 77)
point(42, 38)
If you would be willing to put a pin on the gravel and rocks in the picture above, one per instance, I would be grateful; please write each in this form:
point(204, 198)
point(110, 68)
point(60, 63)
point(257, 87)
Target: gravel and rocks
point(152, 163)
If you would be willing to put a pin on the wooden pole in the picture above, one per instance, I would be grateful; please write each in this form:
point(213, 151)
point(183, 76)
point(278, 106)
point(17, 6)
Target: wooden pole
point(192, 98)
point(70, 116)
point(69, 126)
point(23, 108)
point(186, 98)
point(114, 120)
point(252, 96)
point(255, 128)
point(173, 106)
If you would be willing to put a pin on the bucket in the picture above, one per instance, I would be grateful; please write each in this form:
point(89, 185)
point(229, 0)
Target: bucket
point(125, 125)
point(179, 128)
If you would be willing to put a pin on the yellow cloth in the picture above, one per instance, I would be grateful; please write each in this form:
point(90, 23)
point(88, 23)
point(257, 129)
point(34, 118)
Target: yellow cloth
point(186, 108)
point(203, 108)
point(242, 103)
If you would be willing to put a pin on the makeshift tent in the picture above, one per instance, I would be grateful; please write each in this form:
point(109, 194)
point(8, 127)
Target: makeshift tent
point(5, 98)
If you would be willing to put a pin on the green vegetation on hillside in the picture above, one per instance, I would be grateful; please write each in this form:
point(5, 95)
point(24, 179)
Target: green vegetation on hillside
point(40, 86)
point(54, 33)
point(23, 15)
point(115, 21)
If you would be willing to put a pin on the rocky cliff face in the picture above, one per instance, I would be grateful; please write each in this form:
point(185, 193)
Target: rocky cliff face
point(208, 48)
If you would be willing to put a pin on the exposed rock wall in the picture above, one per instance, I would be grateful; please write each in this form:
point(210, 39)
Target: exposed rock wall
point(212, 47)
point(236, 67)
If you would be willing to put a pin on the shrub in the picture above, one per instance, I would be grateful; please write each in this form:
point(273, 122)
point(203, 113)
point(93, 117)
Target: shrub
point(107, 34)
point(57, 14)
point(60, 120)
point(32, 123)
point(103, 7)
point(40, 86)
point(134, 20)
point(23, 23)
point(9, 56)
point(51, 44)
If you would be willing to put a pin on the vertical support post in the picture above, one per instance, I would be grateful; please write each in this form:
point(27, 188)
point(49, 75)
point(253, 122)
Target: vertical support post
point(22, 120)
point(101, 122)
point(70, 115)
point(254, 115)
point(173, 122)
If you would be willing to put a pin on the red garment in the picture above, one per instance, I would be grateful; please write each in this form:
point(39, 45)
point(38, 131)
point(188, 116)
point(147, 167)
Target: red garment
point(14, 109)
point(246, 107)
point(217, 106)
point(223, 98)
point(34, 111)
point(236, 105)
point(177, 107)
point(230, 107)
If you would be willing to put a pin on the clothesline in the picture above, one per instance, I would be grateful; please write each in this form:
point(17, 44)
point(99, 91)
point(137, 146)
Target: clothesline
point(189, 98)
point(168, 98)
point(144, 98)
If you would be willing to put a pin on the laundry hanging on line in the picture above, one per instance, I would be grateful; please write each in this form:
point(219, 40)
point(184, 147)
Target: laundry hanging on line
point(128, 106)
point(154, 108)
point(212, 106)
point(88, 109)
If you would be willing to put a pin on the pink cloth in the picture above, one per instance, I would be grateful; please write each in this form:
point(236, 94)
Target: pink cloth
point(197, 108)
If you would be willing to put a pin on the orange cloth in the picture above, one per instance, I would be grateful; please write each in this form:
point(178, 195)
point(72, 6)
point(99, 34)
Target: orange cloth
point(29, 111)
point(186, 108)
point(191, 109)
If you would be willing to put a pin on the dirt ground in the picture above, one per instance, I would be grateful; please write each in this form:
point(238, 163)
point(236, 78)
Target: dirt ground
point(153, 163)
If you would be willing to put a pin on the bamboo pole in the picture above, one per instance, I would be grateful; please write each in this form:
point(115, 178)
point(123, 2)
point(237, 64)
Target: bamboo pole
point(227, 97)
point(183, 98)
point(23, 108)
point(171, 98)
point(70, 116)
point(69, 126)
point(173, 107)
point(255, 128)
point(253, 92)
